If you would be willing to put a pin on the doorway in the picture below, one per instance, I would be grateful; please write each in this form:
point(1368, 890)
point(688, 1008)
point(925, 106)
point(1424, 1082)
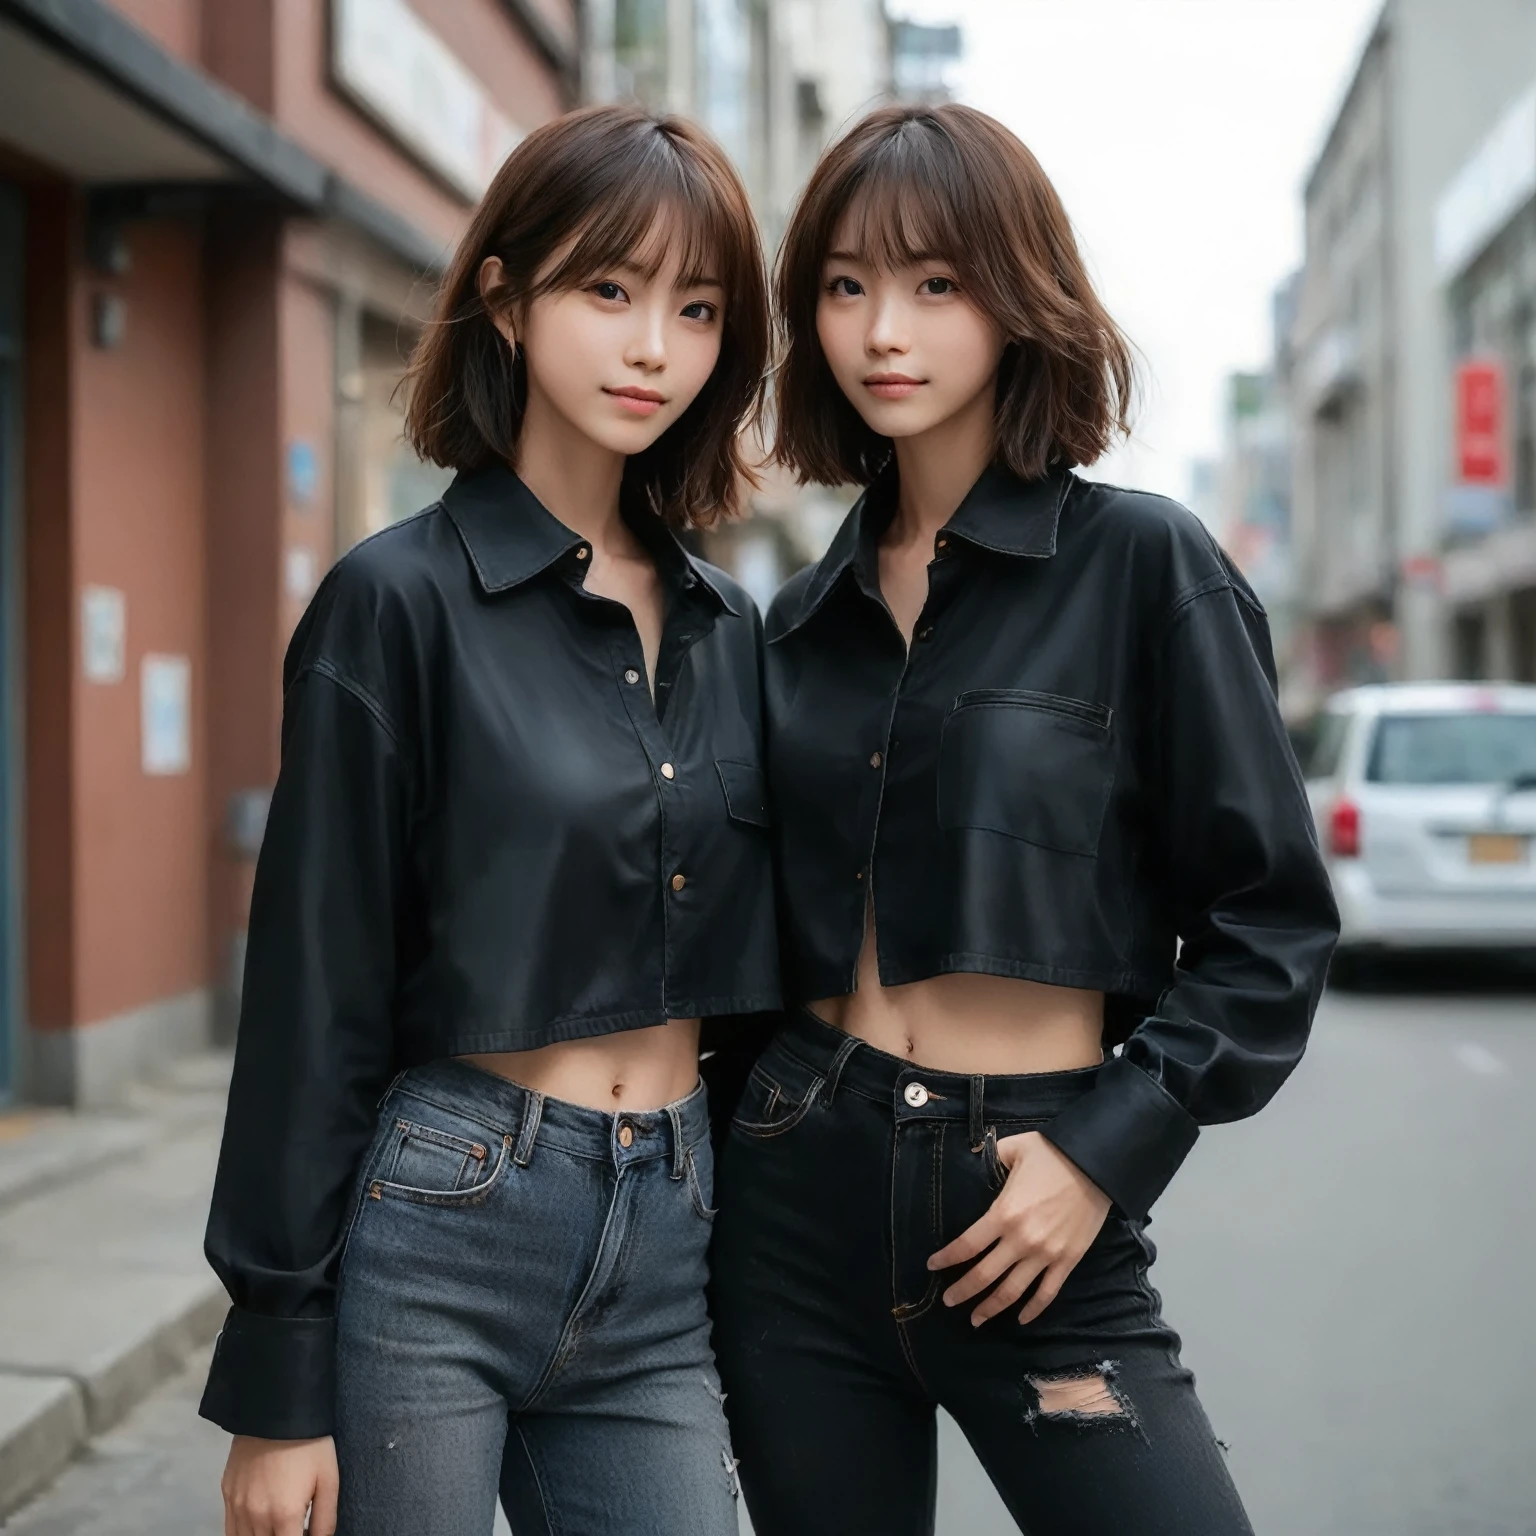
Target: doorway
point(10, 635)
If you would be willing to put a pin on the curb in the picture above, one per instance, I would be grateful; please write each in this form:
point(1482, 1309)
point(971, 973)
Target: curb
point(42, 1426)
point(46, 1420)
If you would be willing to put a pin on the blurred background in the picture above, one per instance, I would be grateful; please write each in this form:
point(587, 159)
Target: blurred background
point(220, 224)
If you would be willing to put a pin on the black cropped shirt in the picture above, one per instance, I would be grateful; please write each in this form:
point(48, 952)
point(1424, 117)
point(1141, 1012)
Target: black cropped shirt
point(484, 837)
point(1077, 768)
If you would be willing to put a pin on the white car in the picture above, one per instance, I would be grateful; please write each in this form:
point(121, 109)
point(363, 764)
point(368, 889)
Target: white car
point(1425, 800)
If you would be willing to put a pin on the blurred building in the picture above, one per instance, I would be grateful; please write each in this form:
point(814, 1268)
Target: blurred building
point(215, 221)
point(1369, 399)
point(1485, 249)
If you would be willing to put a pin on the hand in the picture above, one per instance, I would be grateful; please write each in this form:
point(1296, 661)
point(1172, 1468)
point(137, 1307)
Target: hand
point(1040, 1225)
point(269, 1484)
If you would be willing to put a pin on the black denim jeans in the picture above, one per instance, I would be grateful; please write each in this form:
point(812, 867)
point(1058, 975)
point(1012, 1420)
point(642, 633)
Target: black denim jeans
point(844, 1170)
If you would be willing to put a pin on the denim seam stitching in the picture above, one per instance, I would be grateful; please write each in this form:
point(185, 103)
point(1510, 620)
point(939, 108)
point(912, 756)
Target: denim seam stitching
point(414, 1195)
point(538, 1482)
point(565, 1345)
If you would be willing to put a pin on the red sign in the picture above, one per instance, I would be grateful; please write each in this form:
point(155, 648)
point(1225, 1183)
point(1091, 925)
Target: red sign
point(1480, 434)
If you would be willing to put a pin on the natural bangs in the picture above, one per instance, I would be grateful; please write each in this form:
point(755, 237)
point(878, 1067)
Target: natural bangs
point(668, 210)
point(901, 208)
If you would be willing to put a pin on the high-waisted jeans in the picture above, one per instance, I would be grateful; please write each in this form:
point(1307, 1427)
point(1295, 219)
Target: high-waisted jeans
point(844, 1170)
point(522, 1309)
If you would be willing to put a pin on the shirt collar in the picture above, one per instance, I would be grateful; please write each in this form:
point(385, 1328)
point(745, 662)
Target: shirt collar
point(1000, 513)
point(510, 536)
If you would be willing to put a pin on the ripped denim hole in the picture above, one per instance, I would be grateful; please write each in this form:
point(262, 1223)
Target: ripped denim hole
point(1085, 1398)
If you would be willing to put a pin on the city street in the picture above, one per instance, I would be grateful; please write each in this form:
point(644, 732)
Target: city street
point(1350, 1271)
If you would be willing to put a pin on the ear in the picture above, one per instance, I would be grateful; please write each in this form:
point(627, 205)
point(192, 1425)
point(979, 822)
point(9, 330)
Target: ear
point(492, 283)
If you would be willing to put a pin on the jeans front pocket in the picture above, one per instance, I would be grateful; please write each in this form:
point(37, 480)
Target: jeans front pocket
point(431, 1166)
point(778, 1095)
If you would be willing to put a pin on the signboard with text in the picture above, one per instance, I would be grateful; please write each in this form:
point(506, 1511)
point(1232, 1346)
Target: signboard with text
point(1481, 458)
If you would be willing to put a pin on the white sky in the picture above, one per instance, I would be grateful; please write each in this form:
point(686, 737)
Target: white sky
point(1179, 134)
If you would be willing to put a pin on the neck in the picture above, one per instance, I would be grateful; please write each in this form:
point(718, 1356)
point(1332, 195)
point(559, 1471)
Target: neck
point(937, 467)
point(575, 479)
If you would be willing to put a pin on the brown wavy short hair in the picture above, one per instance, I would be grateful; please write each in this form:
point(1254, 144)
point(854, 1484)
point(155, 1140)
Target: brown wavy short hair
point(593, 186)
point(949, 182)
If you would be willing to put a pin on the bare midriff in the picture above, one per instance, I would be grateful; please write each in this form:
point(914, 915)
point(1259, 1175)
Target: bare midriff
point(635, 1069)
point(965, 1022)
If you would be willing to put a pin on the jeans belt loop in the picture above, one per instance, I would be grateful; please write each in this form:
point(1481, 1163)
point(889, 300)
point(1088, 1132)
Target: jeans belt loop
point(533, 1112)
point(835, 1071)
point(679, 1151)
point(978, 1118)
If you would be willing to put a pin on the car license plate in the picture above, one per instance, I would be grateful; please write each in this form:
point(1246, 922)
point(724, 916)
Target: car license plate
point(1496, 848)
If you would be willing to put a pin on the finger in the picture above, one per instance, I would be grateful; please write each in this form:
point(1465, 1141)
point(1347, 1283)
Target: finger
point(1022, 1277)
point(322, 1515)
point(289, 1525)
point(971, 1243)
point(1049, 1289)
point(984, 1272)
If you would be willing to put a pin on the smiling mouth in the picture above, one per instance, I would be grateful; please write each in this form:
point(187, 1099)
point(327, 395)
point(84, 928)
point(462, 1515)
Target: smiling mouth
point(642, 402)
point(892, 386)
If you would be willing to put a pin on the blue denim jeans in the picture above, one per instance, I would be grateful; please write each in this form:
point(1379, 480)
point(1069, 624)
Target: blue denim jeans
point(521, 1310)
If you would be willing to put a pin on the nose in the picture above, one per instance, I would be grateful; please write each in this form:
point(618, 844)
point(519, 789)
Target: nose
point(887, 328)
point(647, 345)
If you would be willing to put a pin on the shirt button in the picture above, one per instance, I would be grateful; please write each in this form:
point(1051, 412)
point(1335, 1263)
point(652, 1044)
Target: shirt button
point(679, 881)
point(631, 676)
point(915, 1095)
point(941, 544)
point(858, 874)
point(668, 771)
point(627, 1131)
point(582, 551)
point(875, 759)
point(926, 632)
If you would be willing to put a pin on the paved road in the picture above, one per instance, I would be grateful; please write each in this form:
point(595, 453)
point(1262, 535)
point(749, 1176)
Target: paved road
point(1351, 1271)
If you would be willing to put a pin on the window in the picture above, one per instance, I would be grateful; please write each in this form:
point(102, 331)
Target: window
point(1452, 749)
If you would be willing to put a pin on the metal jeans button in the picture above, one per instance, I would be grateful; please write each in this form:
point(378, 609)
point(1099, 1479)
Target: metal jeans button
point(626, 1135)
point(915, 1095)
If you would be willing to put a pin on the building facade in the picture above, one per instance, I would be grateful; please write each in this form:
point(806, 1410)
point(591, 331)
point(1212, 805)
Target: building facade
point(219, 225)
point(1370, 410)
point(1485, 231)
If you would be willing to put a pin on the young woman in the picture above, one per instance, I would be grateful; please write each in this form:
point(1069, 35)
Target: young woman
point(516, 852)
point(1023, 743)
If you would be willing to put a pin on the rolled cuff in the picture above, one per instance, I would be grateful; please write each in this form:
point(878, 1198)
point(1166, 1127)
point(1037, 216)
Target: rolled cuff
point(273, 1377)
point(1129, 1135)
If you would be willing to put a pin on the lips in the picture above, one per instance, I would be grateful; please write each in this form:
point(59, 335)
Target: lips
point(892, 386)
point(642, 402)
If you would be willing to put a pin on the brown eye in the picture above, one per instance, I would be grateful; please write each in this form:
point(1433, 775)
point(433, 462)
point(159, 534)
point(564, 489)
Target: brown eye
point(610, 291)
point(844, 287)
point(940, 285)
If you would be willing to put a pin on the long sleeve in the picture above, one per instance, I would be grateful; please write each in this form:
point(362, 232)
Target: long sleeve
point(313, 1056)
point(1250, 899)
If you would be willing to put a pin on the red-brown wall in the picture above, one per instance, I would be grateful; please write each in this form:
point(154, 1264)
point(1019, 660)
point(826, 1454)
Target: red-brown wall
point(50, 648)
point(177, 25)
point(137, 446)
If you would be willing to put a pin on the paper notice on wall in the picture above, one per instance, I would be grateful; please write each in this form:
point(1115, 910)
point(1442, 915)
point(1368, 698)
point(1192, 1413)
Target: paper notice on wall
point(166, 698)
point(103, 633)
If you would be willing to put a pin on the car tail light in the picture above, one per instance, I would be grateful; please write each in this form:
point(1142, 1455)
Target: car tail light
point(1344, 830)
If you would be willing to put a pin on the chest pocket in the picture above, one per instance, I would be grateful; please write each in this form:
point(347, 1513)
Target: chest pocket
point(1035, 766)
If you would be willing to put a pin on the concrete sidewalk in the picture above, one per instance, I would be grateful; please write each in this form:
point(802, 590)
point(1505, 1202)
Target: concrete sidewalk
point(103, 1288)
